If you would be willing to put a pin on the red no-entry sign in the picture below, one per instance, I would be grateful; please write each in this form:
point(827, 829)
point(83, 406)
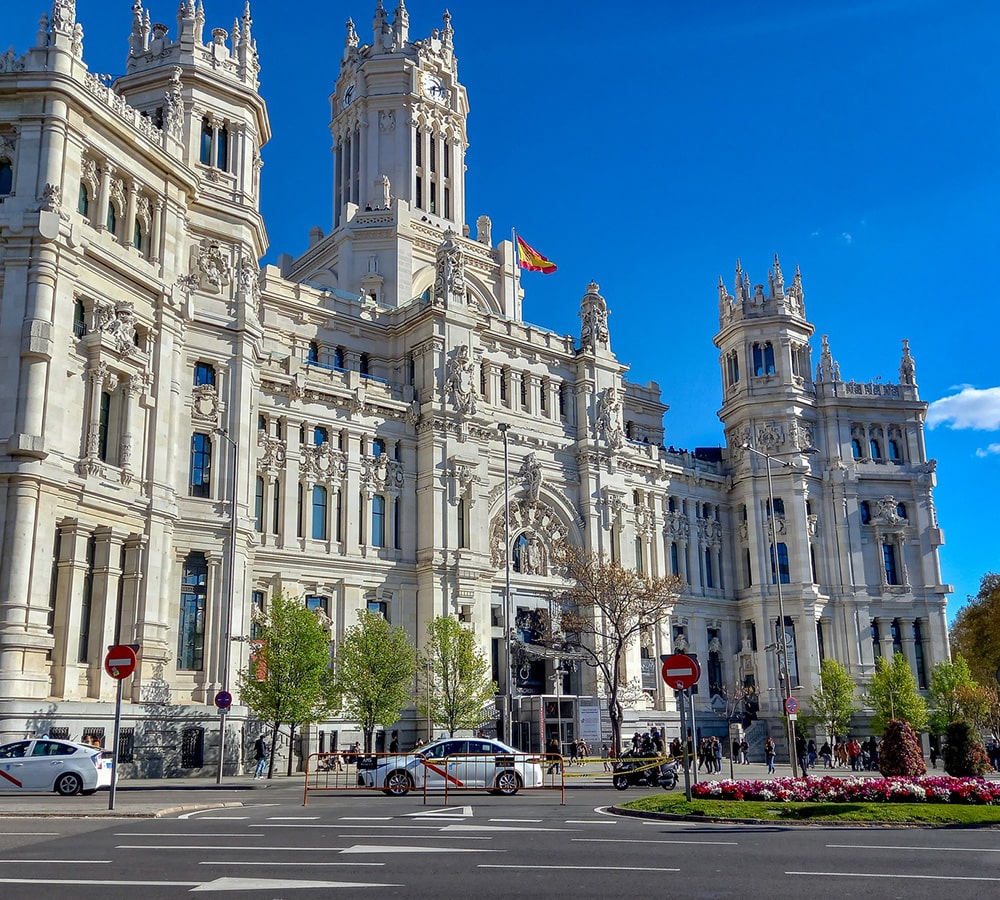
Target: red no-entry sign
point(120, 661)
point(680, 671)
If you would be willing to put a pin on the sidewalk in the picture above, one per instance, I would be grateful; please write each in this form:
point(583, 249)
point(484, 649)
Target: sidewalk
point(147, 798)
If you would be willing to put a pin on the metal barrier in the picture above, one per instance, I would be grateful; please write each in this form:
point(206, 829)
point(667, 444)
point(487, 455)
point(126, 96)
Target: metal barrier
point(496, 773)
point(503, 774)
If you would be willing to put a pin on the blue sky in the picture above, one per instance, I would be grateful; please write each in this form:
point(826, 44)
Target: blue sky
point(648, 146)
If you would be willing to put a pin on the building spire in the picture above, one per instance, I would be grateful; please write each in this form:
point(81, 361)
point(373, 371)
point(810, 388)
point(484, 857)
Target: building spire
point(907, 367)
point(827, 369)
point(351, 40)
point(447, 33)
point(401, 25)
point(740, 291)
point(138, 41)
point(381, 32)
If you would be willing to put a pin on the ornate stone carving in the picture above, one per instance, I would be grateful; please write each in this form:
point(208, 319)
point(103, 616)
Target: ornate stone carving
point(449, 279)
point(386, 120)
point(677, 525)
point(379, 473)
point(271, 456)
point(117, 321)
point(769, 438)
point(323, 464)
point(537, 520)
point(173, 102)
point(800, 434)
point(594, 313)
point(211, 266)
point(609, 419)
point(885, 512)
point(907, 367)
point(531, 474)
point(710, 532)
point(11, 62)
point(51, 198)
point(205, 403)
point(248, 278)
point(461, 382)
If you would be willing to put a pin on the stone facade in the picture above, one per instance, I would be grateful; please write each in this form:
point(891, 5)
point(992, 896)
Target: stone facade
point(352, 397)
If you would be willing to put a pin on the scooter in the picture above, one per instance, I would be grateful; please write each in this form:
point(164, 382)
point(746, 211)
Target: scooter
point(642, 771)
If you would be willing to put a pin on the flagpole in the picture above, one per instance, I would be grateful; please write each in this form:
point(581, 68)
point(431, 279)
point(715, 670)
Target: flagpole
point(517, 270)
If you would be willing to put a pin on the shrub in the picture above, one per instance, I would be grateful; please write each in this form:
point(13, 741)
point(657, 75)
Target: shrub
point(964, 756)
point(900, 752)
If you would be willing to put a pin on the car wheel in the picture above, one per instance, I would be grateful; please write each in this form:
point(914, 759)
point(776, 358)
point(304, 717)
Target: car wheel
point(398, 783)
point(620, 782)
point(68, 784)
point(508, 783)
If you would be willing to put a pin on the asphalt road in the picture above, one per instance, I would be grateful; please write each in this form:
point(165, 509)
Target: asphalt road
point(477, 846)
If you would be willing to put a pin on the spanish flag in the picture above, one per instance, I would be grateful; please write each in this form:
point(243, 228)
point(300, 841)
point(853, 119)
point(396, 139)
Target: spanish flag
point(532, 260)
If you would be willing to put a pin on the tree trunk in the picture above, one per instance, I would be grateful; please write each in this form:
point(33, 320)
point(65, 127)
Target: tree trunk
point(274, 742)
point(369, 733)
point(291, 748)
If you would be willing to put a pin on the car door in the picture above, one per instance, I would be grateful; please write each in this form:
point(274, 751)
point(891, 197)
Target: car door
point(12, 759)
point(437, 766)
point(46, 761)
point(480, 764)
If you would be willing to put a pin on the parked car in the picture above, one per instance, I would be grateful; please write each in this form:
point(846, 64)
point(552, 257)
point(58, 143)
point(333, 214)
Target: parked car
point(43, 764)
point(464, 763)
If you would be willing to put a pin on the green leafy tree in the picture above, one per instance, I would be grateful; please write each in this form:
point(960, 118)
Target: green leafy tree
point(604, 610)
point(375, 667)
point(833, 704)
point(964, 756)
point(288, 679)
point(952, 690)
point(976, 631)
point(893, 695)
point(455, 677)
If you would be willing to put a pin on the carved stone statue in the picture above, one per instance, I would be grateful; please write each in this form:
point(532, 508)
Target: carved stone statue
point(531, 472)
point(681, 643)
point(609, 419)
point(594, 313)
point(449, 280)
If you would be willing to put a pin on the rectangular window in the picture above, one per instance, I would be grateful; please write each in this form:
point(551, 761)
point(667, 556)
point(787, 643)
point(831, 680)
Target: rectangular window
point(638, 555)
point(420, 192)
point(447, 161)
point(256, 612)
point(396, 507)
point(918, 653)
point(820, 646)
point(889, 563)
point(126, 745)
point(87, 603)
point(379, 608)
point(222, 149)
point(338, 515)
point(675, 563)
point(191, 623)
point(299, 511)
point(319, 510)
point(709, 575)
point(461, 523)
point(783, 568)
point(433, 155)
point(276, 508)
point(434, 194)
point(447, 203)
point(378, 521)
point(258, 505)
point(316, 601)
point(201, 465)
point(420, 150)
point(104, 426)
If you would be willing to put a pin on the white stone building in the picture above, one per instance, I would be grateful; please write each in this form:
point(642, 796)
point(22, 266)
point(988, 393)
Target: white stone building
point(355, 393)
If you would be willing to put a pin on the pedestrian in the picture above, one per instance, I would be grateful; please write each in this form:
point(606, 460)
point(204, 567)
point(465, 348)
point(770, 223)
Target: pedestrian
point(260, 755)
point(854, 754)
point(573, 750)
point(717, 754)
point(769, 754)
point(394, 743)
point(802, 753)
point(605, 757)
point(811, 750)
point(934, 756)
point(745, 752)
point(736, 751)
point(826, 754)
point(552, 751)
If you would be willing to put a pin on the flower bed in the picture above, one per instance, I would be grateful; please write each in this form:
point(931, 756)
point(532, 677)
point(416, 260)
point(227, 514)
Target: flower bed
point(943, 789)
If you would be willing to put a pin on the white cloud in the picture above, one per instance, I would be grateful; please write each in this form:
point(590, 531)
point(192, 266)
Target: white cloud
point(848, 238)
point(969, 408)
point(991, 450)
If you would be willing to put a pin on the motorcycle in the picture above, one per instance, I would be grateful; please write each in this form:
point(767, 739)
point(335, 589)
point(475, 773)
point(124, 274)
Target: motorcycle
point(642, 771)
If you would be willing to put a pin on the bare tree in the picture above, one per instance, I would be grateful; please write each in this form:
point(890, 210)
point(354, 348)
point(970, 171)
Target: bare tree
point(604, 610)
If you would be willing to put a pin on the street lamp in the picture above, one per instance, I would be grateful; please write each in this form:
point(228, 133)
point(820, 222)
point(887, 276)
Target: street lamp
point(784, 674)
point(507, 619)
point(228, 601)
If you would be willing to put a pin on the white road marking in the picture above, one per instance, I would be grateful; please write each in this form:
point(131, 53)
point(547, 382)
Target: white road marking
point(464, 811)
point(273, 884)
point(916, 849)
point(29, 833)
point(595, 868)
point(378, 848)
point(499, 828)
point(366, 818)
point(423, 837)
point(229, 847)
point(525, 821)
point(224, 818)
point(82, 881)
point(648, 841)
point(589, 822)
point(887, 875)
point(186, 834)
point(242, 862)
point(75, 862)
point(343, 825)
point(292, 818)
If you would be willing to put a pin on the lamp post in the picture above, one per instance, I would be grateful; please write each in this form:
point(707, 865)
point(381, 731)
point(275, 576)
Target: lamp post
point(782, 646)
point(228, 601)
point(507, 619)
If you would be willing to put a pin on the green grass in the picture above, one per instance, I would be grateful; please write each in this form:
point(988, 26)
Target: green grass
point(876, 813)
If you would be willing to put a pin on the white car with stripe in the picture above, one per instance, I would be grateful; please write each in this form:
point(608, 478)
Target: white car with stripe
point(46, 764)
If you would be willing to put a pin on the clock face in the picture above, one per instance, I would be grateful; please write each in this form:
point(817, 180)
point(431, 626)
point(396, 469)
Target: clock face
point(349, 94)
point(434, 88)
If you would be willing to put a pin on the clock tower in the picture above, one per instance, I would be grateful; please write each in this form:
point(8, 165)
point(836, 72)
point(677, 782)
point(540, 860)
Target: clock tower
point(398, 123)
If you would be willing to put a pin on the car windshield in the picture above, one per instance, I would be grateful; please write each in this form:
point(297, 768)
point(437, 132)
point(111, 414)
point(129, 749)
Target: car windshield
point(445, 748)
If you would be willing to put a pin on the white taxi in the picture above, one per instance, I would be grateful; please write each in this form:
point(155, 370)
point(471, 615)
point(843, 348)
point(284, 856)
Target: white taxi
point(44, 764)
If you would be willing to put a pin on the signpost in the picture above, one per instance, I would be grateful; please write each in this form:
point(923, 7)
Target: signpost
point(119, 664)
point(791, 706)
point(681, 672)
point(223, 700)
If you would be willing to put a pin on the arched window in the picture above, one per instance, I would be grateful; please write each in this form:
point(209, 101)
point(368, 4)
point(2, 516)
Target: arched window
point(901, 510)
point(204, 373)
point(319, 506)
point(320, 436)
point(206, 142)
point(378, 521)
point(201, 465)
point(6, 177)
point(137, 235)
point(519, 558)
point(894, 455)
point(866, 512)
point(378, 447)
point(763, 359)
point(783, 569)
point(83, 200)
point(855, 448)
point(876, 450)
point(79, 319)
point(191, 621)
point(313, 354)
point(112, 222)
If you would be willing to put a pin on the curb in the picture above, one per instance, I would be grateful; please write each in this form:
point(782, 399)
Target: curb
point(194, 807)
